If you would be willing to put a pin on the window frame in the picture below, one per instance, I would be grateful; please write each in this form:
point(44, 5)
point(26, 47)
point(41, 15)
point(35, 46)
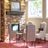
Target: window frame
point(46, 9)
point(36, 16)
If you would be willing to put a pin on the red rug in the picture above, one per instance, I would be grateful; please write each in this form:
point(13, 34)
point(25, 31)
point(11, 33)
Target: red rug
point(39, 44)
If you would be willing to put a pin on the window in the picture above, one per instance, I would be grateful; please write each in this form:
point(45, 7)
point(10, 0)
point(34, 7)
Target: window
point(46, 8)
point(35, 9)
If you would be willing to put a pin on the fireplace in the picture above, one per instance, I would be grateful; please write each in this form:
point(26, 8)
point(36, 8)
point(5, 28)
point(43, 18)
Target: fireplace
point(15, 27)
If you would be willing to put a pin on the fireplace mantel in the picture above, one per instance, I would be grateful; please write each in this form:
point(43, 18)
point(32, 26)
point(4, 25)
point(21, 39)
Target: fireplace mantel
point(19, 13)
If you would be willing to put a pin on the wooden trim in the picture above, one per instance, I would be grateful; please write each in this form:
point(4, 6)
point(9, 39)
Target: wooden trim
point(2, 21)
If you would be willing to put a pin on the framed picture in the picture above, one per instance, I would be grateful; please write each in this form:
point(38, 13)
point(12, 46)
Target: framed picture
point(15, 6)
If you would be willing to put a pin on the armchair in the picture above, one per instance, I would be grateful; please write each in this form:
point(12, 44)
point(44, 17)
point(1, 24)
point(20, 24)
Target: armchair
point(42, 33)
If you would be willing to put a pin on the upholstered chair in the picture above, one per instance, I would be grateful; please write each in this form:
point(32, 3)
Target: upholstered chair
point(42, 31)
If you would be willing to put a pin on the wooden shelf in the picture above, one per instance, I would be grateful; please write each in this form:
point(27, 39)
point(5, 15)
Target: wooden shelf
point(14, 13)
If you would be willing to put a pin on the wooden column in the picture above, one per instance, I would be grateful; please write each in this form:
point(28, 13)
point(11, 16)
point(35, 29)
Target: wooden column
point(2, 21)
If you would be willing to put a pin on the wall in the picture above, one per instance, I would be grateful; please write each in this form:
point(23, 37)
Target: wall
point(37, 21)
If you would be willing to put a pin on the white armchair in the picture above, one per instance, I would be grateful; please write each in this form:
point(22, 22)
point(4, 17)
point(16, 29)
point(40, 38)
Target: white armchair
point(42, 33)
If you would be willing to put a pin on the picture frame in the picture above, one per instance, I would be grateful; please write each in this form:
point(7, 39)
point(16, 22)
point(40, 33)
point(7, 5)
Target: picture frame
point(15, 6)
